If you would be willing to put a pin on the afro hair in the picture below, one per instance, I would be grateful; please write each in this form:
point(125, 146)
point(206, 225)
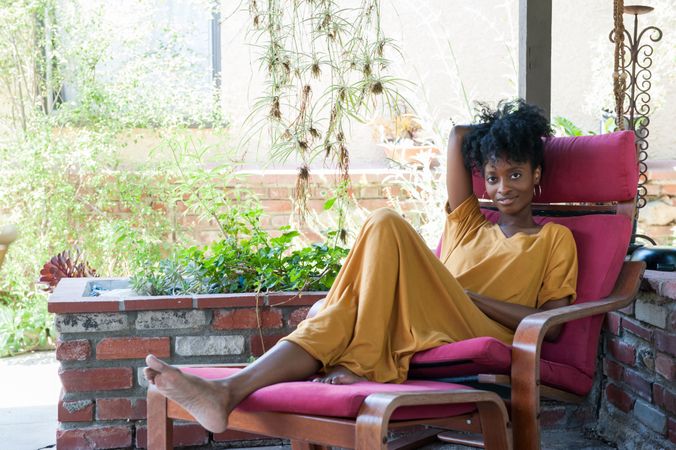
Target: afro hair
point(514, 131)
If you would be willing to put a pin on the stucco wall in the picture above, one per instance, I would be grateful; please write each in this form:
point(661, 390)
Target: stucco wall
point(484, 41)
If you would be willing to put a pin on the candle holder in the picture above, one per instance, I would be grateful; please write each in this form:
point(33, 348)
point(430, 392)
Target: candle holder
point(636, 70)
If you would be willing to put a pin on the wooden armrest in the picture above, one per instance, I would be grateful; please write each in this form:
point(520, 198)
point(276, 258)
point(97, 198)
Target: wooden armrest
point(533, 328)
point(528, 343)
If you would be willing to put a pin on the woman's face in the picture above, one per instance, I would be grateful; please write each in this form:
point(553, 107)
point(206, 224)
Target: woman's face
point(510, 184)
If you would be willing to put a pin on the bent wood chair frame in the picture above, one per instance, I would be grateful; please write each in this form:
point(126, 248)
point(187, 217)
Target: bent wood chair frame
point(367, 432)
point(524, 381)
point(369, 429)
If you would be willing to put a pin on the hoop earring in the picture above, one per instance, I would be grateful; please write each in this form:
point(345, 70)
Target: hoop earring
point(539, 191)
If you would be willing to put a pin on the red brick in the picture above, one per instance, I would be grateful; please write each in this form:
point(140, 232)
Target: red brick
point(185, 434)
point(638, 383)
point(615, 395)
point(68, 305)
point(258, 348)
point(653, 190)
point(664, 365)
point(553, 417)
point(297, 316)
point(664, 398)
point(276, 222)
point(583, 415)
point(94, 438)
point(622, 351)
point(77, 350)
point(75, 411)
point(101, 379)
point(613, 370)
point(158, 206)
point(232, 435)
point(276, 206)
point(672, 429)
point(295, 299)
point(669, 189)
point(212, 301)
point(665, 342)
point(132, 348)
point(239, 319)
point(612, 323)
point(279, 193)
point(120, 408)
point(637, 329)
point(157, 303)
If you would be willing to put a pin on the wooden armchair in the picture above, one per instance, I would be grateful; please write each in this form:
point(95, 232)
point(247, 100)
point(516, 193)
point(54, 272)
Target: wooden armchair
point(589, 185)
point(597, 177)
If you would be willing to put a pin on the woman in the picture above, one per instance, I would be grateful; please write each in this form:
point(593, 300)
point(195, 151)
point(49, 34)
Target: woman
point(393, 297)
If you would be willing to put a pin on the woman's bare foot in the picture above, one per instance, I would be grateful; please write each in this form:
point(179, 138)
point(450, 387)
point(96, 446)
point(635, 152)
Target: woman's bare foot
point(207, 401)
point(340, 375)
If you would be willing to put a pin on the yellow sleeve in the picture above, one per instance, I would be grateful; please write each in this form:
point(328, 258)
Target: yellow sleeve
point(560, 278)
point(463, 219)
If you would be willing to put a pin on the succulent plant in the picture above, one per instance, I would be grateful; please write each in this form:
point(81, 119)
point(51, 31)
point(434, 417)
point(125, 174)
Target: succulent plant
point(65, 265)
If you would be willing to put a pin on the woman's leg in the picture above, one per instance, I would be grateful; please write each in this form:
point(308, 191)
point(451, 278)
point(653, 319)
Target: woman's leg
point(211, 401)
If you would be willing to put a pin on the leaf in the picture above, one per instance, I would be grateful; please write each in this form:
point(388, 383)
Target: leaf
point(329, 203)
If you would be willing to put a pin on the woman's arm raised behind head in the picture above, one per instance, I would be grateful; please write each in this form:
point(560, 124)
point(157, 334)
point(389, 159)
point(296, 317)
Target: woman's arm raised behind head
point(458, 177)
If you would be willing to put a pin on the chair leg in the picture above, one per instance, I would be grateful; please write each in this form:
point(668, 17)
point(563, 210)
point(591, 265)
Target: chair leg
point(493, 425)
point(160, 425)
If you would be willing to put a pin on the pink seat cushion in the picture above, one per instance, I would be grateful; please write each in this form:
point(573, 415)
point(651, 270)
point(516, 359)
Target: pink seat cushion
point(490, 356)
point(469, 357)
point(304, 397)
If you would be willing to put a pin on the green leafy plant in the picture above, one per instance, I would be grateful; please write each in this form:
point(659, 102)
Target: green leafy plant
point(24, 325)
point(248, 259)
point(565, 127)
point(63, 184)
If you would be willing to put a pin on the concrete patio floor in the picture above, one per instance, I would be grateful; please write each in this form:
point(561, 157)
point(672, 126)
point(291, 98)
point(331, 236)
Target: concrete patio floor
point(29, 392)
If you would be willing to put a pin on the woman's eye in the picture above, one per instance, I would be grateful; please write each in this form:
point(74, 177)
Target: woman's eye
point(491, 180)
point(516, 176)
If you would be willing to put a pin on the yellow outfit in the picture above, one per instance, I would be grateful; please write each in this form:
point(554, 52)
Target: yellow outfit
point(394, 297)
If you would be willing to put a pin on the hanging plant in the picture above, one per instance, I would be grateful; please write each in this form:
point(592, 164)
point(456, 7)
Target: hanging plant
point(325, 66)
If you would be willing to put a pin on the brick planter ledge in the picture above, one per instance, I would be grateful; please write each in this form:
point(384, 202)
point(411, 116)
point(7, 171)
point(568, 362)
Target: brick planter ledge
point(103, 342)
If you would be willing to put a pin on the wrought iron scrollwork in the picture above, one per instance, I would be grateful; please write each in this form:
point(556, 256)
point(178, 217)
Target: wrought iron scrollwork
point(636, 69)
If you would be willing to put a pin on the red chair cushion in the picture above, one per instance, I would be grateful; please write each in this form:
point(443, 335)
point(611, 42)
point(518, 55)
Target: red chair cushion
point(469, 357)
point(599, 168)
point(491, 356)
point(305, 397)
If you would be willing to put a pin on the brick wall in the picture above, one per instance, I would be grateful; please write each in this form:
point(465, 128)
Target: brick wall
point(275, 190)
point(372, 187)
point(638, 405)
point(658, 218)
point(103, 342)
